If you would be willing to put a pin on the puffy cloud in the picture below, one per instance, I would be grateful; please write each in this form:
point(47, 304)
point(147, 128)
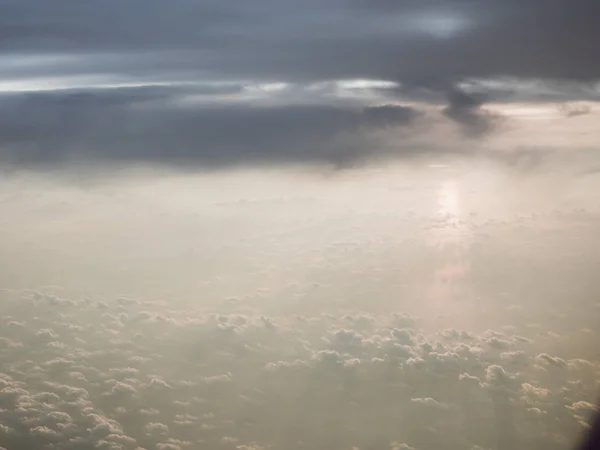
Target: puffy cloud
point(159, 428)
point(583, 407)
point(429, 403)
point(315, 383)
point(498, 344)
point(401, 446)
point(552, 361)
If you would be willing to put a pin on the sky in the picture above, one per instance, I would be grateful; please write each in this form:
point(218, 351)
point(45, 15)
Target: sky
point(342, 224)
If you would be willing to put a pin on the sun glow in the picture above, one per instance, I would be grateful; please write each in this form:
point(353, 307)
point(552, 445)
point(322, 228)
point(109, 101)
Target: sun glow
point(448, 200)
point(452, 236)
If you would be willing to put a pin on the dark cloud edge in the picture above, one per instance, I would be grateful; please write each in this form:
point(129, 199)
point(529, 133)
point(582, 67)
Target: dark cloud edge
point(145, 125)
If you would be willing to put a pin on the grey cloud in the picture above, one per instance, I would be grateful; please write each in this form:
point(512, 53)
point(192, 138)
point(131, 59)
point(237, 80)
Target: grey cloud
point(147, 124)
point(430, 43)
point(386, 116)
point(429, 48)
point(466, 109)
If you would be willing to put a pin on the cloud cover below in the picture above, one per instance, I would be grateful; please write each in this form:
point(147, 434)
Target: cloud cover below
point(129, 374)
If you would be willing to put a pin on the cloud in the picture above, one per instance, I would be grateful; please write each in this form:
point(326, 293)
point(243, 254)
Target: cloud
point(387, 116)
point(171, 125)
point(131, 125)
point(429, 403)
point(575, 109)
point(429, 42)
point(466, 110)
point(253, 391)
point(425, 50)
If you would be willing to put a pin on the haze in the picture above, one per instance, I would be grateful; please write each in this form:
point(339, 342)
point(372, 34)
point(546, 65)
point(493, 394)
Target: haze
point(298, 225)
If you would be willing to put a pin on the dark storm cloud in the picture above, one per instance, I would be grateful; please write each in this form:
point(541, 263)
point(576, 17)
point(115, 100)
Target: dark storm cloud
point(148, 124)
point(428, 47)
point(386, 116)
point(466, 110)
point(430, 42)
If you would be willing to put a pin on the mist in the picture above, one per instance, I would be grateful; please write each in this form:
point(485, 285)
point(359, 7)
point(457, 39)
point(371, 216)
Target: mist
point(299, 225)
point(448, 303)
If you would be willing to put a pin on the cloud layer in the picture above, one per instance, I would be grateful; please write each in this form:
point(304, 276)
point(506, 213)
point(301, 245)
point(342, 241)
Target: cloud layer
point(219, 83)
point(428, 42)
point(130, 374)
point(140, 124)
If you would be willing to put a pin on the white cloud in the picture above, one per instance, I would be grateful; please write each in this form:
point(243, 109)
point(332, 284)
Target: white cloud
point(190, 384)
